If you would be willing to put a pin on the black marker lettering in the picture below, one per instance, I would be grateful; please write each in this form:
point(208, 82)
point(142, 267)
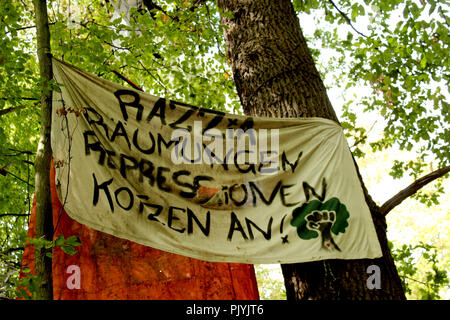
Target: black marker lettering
point(146, 168)
point(160, 179)
point(308, 190)
point(283, 195)
point(215, 121)
point(124, 167)
point(98, 122)
point(152, 216)
point(182, 119)
point(191, 216)
point(104, 187)
point(129, 195)
point(267, 234)
point(172, 218)
point(96, 146)
point(160, 106)
point(253, 188)
point(235, 225)
point(285, 161)
point(189, 186)
point(244, 200)
point(251, 166)
point(151, 149)
point(166, 144)
point(120, 131)
point(135, 103)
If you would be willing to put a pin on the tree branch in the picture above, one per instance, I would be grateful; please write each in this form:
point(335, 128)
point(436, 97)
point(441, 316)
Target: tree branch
point(412, 189)
point(14, 214)
point(196, 4)
point(7, 251)
point(346, 18)
point(4, 172)
point(131, 83)
point(11, 109)
point(443, 16)
point(21, 151)
point(157, 77)
point(23, 98)
point(151, 5)
point(27, 27)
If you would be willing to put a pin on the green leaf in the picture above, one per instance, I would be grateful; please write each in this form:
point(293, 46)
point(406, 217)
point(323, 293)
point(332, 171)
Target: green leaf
point(423, 62)
point(60, 240)
point(405, 12)
point(69, 250)
point(432, 7)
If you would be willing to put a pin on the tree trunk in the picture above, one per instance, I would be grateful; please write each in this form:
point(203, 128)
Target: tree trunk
point(44, 223)
point(275, 76)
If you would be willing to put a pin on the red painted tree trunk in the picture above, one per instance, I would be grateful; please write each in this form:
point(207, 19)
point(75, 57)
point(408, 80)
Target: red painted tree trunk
point(113, 268)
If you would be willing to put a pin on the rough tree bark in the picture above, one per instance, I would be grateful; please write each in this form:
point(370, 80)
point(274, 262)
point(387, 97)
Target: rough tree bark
point(275, 76)
point(44, 222)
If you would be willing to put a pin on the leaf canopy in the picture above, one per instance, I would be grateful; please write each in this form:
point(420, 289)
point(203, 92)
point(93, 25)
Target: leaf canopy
point(397, 50)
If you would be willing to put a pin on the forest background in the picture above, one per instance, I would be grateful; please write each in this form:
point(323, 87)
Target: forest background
point(385, 65)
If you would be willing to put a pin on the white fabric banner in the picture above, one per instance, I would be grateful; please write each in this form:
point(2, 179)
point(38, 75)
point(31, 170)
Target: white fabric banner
point(203, 183)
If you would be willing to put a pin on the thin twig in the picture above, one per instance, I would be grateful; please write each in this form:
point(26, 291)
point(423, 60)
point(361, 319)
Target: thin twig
point(28, 27)
point(216, 36)
point(421, 282)
point(7, 251)
point(196, 4)
point(131, 83)
point(444, 16)
point(85, 25)
point(11, 109)
point(18, 178)
point(9, 233)
point(22, 98)
point(365, 136)
point(21, 151)
point(153, 76)
point(347, 19)
point(152, 5)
